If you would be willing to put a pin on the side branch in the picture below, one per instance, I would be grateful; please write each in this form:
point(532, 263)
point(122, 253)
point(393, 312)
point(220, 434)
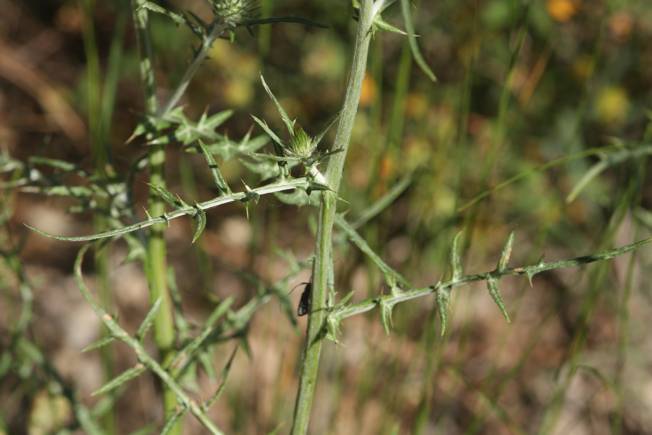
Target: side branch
point(297, 183)
point(345, 311)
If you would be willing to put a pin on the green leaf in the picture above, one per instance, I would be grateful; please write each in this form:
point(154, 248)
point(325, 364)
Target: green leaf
point(224, 375)
point(200, 223)
point(289, 123)
point(171, 421)
point(99, 343)
point(333, 327)
point(443, 297)
point(414, 47)
point(212, 122)
point(53, 163)
point(384, 25)
point(386, 315)
point(154, 7)
point(135, 249)
point(172, 200)
point(218, 179)
point(506, 254)
point(494, 291)
point(149, 320)
point(456, 261)
point(119, 380)
point(279, 146)
point(205, 357)
point(362, 244)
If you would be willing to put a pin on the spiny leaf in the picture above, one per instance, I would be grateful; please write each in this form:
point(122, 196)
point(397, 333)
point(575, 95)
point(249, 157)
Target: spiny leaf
point(122, 378)
point(195, 24)
point(274, 187)
point(333, 329)
point(149, 320)
point(456, 261)
point(289, 123)
point(200, 223)
point(443, 296)
point(188, 351)
point(250, 194)
point(362, 244)
point(210, 123)
point(167, 196)
point(530, 276)
point(414, 47)
point(53, 163)
point(494, 291)
point(386, 315)
point(153, 7)
point(205, 358)
point(218, 179)
point(380, 23)
point(224, 375)
point(170, 422)
point(506, 254)
point(279, 146)
point(99, 343)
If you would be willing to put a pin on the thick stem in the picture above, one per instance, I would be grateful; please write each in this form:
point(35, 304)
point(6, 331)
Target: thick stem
point(323, 255)
point(155, 263)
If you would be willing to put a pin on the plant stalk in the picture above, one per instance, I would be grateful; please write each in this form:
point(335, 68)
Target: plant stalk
point(323, 254)
point(216, 30)
point(155, 262)
point(101, 152)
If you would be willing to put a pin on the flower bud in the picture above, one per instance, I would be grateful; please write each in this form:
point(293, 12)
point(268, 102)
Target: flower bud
point(234, 12)
point(301, 144)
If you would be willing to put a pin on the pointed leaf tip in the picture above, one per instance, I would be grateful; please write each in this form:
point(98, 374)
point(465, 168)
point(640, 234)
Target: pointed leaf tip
point(456, 260)
point(121, 379)
point(99, 343)
point(149, 320)
point(333, 328)
point(494, 291)
point(443, 301)
point(507, 253)
point(200, 223)
point(386, 315)
point(289, 123)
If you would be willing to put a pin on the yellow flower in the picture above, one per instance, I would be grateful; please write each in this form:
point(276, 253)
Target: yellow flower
point(562, 10)
point(612, 105)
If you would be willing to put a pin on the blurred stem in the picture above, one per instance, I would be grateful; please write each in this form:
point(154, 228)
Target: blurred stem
point(155, 263)
point(323, 255)
point(394, 132)
point(101, 156)
point(265, 32)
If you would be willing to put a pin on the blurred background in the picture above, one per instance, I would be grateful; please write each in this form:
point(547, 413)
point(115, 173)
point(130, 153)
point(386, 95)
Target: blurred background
point(531, 95)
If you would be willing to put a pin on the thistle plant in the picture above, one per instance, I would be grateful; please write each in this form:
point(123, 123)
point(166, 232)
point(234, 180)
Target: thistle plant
point(290, 165)
point(234, 12)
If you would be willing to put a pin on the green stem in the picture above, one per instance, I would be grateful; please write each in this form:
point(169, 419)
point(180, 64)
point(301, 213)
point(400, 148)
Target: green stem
point(529, 271)
point(216, 30)
point(323, 255)
point(165, 218)
point(155, 263)
point(101, 151)
point(184, 401)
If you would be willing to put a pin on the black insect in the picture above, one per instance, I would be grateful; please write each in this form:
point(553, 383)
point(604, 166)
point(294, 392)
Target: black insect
point(306, 300)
